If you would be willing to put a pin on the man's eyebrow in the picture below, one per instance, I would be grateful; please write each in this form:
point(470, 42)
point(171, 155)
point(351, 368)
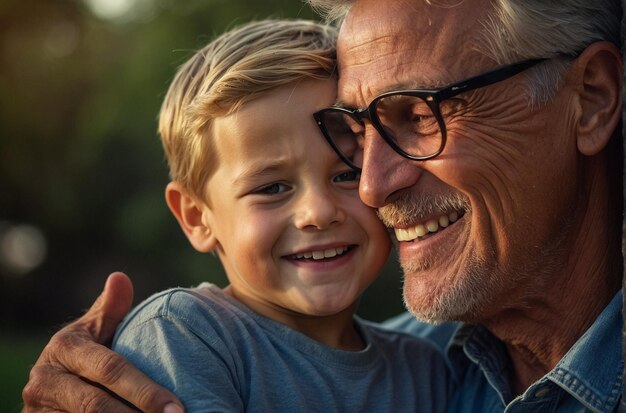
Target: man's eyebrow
point(417, 85)
point(340, 103)
point(421, 84)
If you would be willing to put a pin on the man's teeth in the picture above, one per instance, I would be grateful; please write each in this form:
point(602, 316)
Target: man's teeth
point(320, 255)
point(433, 225)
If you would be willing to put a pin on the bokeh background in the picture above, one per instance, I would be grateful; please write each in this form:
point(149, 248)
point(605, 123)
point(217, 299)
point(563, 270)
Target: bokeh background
point(82, 171)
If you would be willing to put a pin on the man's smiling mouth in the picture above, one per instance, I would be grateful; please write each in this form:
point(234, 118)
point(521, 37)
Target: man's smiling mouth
point(427, 228)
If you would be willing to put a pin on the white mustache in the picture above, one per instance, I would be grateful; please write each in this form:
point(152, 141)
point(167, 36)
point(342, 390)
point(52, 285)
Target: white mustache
point(411, 208)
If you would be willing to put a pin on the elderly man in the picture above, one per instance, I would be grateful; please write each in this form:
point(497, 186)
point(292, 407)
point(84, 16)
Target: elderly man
point(504, 114)
point(488, 136)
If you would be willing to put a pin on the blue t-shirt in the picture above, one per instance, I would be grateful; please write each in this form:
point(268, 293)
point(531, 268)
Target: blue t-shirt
point(216, 354)
point(589, 378)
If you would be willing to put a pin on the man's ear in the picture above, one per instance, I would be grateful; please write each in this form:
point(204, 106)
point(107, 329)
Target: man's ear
point(189, 211)
point(598, 72)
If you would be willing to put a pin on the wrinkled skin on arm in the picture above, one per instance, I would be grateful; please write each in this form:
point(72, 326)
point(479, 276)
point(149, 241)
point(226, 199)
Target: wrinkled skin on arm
point(77, 372)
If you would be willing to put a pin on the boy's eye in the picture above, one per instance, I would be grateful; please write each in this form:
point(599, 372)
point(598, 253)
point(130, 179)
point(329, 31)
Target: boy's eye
point(273, 189)
point(347, 176)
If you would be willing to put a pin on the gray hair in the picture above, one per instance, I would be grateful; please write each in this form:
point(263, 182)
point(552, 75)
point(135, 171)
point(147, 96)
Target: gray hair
point(524, 29)
point(331, 10)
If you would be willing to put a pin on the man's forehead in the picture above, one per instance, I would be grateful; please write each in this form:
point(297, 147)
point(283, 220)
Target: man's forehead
point(369, 19)
point(379, 46)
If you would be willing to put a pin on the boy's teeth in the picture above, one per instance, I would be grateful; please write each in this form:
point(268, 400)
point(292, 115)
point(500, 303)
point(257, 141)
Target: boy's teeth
point(433, 225)
point(330, 253)
point(320, 255)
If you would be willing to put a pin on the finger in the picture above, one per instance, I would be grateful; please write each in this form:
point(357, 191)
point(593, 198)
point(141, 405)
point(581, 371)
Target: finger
point(72, 352)
point(109, 309)
point(68, 393)
point(99, 364)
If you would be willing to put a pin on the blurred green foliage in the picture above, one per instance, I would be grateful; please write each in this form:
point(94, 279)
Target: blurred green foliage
point(17, 354)
point(80, 159)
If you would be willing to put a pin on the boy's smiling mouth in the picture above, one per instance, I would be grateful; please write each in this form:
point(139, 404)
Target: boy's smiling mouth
point(321, 254)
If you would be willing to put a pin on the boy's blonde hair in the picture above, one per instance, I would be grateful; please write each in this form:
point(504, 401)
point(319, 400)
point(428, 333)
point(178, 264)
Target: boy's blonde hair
point(233, 69)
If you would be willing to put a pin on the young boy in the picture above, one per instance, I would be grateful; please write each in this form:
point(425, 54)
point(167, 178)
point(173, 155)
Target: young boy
point(254, 181)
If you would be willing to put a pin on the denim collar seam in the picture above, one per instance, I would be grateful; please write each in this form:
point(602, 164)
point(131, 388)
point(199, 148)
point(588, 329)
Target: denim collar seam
point(570, 382)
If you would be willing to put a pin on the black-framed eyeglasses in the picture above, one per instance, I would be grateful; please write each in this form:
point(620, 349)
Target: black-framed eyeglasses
point(411, 121)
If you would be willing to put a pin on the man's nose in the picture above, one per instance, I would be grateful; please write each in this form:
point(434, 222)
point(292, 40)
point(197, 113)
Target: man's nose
point(385, 173)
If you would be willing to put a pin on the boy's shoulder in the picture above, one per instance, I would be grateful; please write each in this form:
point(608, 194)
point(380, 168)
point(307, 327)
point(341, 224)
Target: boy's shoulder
point(196, 307)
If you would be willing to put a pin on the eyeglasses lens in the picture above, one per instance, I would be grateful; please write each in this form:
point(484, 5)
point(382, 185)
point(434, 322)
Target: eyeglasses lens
point(407, 122)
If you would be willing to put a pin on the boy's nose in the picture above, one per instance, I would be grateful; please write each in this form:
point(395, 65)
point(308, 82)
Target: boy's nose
point(318, 210)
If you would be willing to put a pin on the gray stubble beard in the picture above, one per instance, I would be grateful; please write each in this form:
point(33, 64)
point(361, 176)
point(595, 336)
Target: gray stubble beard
point(467, 293)
point(460, 300)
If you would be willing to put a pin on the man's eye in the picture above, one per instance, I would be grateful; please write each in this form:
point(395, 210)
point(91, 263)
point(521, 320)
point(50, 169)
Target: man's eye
point(347, 176)
point(272, 189)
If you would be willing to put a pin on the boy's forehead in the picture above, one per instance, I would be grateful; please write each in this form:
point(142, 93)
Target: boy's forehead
point(250, 124)
point(273, 130)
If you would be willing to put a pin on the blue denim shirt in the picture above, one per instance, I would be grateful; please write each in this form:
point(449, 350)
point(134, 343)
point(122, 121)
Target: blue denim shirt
point(589, 378)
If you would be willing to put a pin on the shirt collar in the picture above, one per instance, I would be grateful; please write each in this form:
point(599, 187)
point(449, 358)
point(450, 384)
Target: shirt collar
point(591, 371)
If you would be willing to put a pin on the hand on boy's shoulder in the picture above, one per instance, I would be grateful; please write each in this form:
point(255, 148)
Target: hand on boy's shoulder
point(76, 372)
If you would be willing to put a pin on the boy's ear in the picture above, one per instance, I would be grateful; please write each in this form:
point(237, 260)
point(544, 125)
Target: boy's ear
point(189, 211)
point(599, 76)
